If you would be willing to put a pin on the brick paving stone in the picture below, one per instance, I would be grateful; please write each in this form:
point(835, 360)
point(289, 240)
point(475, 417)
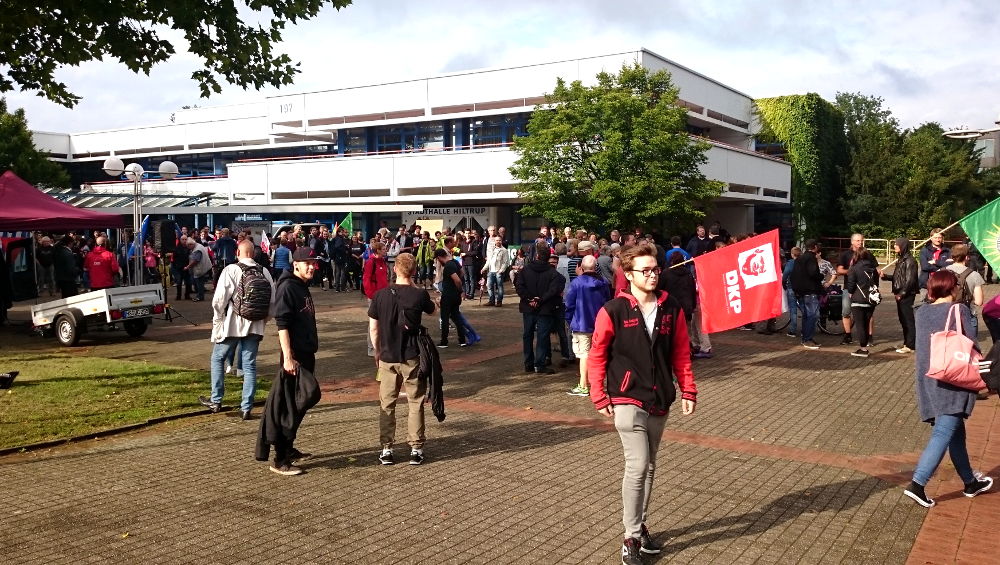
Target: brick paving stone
point(793, 456)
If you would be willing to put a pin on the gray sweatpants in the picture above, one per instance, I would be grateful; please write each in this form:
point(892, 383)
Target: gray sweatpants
point(640, 434)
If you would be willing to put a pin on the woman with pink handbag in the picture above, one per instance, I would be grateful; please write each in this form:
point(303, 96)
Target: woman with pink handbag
point(943, 405)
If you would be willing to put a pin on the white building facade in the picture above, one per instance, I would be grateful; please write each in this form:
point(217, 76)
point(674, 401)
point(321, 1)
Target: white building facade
point(395, 149)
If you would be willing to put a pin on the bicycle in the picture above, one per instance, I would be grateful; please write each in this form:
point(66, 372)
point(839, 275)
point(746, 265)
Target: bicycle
point(829, 319)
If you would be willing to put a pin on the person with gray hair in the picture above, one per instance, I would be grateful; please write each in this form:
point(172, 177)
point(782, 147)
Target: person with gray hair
point(587, 294)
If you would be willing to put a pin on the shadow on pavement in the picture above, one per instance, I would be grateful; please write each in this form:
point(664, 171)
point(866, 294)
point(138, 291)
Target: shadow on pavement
point(820, 498)
point(480, 438)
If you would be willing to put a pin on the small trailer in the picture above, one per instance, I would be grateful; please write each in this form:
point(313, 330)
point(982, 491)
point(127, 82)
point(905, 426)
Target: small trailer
point(131, 306)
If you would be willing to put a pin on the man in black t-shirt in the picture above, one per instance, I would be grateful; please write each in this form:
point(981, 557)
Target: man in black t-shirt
point(393, 325)
point(451, 297)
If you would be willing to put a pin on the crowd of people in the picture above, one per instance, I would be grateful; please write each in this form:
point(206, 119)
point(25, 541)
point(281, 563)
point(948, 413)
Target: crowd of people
point(624, 311)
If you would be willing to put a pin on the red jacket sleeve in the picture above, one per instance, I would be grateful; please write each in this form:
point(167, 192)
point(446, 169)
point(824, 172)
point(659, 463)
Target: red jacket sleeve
point(597, 359)
point(368, 279)
point(681, 360)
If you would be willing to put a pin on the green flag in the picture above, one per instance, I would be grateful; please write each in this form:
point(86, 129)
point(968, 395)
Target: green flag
point(348, 224)
point(983, 229)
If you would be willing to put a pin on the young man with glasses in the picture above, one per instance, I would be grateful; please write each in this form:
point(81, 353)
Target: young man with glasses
point(640, 345)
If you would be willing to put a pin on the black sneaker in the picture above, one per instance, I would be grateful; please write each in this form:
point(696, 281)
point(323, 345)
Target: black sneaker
point(847, 340)
point(529, 369)
point(207, 403)
point(978, 486)
point(296, 456)
point(631, 551)
point(916, 492)
point(416, 456)
point(442, 345)
point(386, 457)
point(544, 371)
point(810, 344)
point(860, 353)
point(646, 542)
point(246, 415)
point(286, 469)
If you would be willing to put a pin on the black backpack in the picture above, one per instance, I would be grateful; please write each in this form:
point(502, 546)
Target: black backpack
point(965, 295)
point(253, 295)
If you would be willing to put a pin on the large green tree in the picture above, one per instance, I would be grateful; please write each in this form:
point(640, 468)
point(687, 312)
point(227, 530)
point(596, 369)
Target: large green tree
point(903, 182)
point(942, 182)
point(19, 154)
point(876, 169)
point(39, 37)
point(616, 154)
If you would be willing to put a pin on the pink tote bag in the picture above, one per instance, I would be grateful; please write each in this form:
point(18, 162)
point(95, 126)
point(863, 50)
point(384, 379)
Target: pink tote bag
point(954, 357)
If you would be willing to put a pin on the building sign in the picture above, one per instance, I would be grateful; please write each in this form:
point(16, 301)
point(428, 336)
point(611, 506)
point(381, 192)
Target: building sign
point(452, 217)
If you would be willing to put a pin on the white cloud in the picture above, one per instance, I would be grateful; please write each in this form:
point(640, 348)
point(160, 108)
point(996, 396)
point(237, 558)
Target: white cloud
point(928, 60)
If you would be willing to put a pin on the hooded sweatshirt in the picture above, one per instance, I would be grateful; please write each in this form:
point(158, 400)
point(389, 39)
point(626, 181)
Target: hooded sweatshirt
point(539, 280)
point(587, 294)
point(905, 280)
point(294, 311)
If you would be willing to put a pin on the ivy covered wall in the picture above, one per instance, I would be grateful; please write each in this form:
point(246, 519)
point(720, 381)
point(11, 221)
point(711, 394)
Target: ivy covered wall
point(812, 133)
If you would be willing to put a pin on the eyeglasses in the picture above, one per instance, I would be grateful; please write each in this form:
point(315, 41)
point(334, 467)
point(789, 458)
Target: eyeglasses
point(647, 272)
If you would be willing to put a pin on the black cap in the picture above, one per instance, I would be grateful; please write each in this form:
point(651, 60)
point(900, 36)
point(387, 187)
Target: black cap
point(304, 254)
point(440, 253)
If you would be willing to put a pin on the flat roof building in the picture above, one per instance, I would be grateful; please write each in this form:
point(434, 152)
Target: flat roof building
point(393, 150)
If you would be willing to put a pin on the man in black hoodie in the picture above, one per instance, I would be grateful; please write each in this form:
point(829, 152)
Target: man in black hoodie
point(295, 316)
point(540, 287)
point(905, 287)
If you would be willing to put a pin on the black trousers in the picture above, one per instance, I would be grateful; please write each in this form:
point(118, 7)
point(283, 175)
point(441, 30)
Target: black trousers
point(449, 311)
point(861, 316)
point(904, 310)
point(67, 288)
point(992, 324)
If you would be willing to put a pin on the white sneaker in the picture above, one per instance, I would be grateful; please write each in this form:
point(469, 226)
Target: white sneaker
point(229, 368)
point(904, 349)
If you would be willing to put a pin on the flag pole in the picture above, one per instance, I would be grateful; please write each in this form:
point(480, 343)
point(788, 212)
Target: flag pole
point(893, 262)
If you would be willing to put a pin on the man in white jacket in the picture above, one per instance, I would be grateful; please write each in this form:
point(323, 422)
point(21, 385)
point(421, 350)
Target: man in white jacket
point(496, 263)
point(231, 330)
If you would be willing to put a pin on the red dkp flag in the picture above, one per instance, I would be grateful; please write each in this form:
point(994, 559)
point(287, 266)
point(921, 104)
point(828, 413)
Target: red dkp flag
point(740, 283)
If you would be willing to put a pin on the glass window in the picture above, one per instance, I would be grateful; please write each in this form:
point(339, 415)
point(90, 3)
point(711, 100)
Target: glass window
point(355, 141)
point(498, 130)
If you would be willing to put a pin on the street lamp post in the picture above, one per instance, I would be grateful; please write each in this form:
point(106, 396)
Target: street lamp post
point(971, 133)
point(113, 166)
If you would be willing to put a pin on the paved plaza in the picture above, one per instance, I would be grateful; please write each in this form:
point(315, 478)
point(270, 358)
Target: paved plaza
point(793, 456)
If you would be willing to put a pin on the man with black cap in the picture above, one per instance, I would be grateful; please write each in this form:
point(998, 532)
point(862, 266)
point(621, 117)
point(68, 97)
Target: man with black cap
point(295, 316)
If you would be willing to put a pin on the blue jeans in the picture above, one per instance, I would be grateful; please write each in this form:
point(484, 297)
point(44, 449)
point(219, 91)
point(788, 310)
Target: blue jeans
point(810, 313)
point(537, 348)
point(948, 435)
point(248, 359)
point(494, 285)
point(793, 311)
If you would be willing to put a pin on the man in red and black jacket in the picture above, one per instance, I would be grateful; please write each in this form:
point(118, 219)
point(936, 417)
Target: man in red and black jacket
point(640, 346)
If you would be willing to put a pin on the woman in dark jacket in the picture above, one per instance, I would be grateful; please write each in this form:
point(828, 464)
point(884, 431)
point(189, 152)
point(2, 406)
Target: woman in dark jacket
point(942, 405)
point(905, 287)
point(679, 283)
point(862, 283)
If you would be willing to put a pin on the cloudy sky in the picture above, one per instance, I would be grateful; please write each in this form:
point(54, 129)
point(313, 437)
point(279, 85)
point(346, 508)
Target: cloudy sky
point(930, 61)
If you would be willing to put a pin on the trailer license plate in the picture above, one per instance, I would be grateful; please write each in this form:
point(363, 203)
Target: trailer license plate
point(135, 312)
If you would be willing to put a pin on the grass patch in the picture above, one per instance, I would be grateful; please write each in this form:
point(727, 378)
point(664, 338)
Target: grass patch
point(59, 396)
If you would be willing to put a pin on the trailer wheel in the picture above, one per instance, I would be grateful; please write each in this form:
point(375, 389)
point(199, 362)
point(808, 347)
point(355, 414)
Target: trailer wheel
point(135, 328)
point(66, 331)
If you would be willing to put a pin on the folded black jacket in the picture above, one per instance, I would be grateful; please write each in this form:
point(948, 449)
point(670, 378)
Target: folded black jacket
point(286, 405)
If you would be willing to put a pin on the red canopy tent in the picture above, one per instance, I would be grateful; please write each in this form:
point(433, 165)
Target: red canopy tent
point(24, 207)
